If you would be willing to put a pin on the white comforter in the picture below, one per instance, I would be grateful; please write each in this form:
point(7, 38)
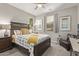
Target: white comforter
point(23, 38)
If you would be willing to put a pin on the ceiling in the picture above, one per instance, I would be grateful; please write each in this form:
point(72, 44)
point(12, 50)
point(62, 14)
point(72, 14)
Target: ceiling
point(48, 7)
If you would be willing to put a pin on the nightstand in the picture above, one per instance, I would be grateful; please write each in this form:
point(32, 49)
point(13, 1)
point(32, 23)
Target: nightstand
point(5, 44)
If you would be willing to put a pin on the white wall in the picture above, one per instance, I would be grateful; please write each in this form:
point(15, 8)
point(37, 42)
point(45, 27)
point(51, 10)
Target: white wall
point(20, 20)
point(78, 14)
point(9, 13)
point(72, 12)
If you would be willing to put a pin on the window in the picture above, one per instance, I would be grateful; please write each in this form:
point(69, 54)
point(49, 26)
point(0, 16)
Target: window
point(65, 23)
point(38, 25)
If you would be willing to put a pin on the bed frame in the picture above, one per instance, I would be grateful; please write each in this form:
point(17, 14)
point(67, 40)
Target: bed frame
point(39, 49)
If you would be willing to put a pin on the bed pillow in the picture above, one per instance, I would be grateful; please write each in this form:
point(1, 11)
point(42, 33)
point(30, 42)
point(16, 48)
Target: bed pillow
point(24, 31)
point(32, 39)
point(17, 32)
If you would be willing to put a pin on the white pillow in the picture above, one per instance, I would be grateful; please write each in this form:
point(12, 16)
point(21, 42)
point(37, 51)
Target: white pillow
point(17, 32)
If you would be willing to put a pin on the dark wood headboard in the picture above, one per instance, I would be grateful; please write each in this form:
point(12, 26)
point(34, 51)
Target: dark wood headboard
point(17, 26)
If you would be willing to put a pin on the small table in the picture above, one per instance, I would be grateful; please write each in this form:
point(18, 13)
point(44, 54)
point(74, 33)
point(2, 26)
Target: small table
point(75, 46)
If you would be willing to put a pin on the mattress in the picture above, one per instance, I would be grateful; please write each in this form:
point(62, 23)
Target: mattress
point(21, 39)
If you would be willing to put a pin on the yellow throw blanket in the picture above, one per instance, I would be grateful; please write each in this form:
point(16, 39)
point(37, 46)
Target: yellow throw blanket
point(32, 39)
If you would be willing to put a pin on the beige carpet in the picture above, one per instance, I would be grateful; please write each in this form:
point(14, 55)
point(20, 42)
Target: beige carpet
point(54, 50)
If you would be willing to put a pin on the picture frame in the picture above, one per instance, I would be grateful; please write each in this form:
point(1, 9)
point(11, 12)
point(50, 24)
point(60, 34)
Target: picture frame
point(65, 23)
point(50, 23)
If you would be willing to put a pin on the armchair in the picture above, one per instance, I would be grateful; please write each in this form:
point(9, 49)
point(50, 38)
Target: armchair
point(65, 43)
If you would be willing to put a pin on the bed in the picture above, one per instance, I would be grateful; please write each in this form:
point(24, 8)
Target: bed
point(37, 49)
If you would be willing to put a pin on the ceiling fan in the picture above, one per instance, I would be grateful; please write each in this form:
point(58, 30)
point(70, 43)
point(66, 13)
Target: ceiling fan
point(40, 5)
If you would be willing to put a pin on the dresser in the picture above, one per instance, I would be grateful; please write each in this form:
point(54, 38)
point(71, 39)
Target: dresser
point(5, 44)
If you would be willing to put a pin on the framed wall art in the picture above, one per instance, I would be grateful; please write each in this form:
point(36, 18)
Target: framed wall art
point(50, 23)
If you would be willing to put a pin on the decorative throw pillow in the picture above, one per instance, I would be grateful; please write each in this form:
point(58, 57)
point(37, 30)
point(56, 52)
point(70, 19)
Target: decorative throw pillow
point(32, 39)
point(24, 31)
point(17, 32)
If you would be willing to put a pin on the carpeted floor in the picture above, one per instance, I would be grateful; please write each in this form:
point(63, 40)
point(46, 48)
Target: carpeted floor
point(54, 50)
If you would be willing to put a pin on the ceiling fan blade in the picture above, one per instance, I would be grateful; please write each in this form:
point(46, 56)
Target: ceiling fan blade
point(36, 8)
point(43, 5)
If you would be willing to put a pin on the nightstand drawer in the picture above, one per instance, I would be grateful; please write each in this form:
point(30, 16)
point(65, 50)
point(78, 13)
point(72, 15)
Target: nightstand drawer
point(5, 43)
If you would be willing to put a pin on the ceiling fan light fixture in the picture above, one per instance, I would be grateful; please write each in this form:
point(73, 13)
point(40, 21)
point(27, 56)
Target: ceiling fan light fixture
point(39, 5)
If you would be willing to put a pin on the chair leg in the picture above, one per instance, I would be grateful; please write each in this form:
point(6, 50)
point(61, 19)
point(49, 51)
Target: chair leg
point(71, 52)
